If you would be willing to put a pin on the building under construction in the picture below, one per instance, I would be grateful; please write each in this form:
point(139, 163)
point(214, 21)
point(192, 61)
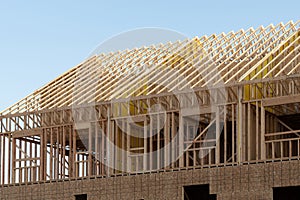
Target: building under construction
point(214, 117)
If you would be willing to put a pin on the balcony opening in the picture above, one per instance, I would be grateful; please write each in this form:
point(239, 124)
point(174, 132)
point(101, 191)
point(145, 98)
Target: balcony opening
point(290, 193)
point(81, 197)
point(195, 192)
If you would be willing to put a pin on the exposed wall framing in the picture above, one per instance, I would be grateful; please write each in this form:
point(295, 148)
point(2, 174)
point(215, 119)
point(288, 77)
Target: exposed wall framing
point(216, 100)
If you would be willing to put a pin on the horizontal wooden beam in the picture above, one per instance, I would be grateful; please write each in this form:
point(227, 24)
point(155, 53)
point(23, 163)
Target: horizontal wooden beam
point(281, 100)
point(27, 133)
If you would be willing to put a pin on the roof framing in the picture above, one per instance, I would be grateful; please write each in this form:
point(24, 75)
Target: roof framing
point(235, 57)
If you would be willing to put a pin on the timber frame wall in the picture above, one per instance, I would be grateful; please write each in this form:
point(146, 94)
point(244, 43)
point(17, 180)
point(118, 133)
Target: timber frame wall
point(245, 84)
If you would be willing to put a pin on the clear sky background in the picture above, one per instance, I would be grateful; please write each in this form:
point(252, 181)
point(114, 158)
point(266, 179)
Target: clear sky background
point(40, 40)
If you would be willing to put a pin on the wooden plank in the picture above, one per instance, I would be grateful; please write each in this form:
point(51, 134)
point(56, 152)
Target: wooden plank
point(20, 170)
point(97, 149)
point(186, 137)
point(57, 152)
point(158, 161)
point(173, 133)
point(128, 159)
point(249, 146)
point(145, 163)
point(225, 133)
point(31, 153)
point(90, 152)
point(63, 169)
point(36, 169)
point(103, 138)
point(244, 133)
point(262, 133)
point(13, 160)
point(9, 159)
point(280, 100)
point(218, 133)
point(151, 143)
point(257, 130)
point(167, 141)
point(239, 125)
point(181, 140)
point(233, 133)
point(123, 145)
point(74, 159)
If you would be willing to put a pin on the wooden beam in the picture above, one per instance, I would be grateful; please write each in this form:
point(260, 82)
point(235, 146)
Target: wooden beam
point(280, 100)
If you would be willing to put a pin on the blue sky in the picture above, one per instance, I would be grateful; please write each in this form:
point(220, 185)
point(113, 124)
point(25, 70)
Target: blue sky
point(39, 40)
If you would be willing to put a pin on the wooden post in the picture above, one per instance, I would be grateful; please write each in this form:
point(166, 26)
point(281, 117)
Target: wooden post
point(173, 150)
point(109, 155)
point(249, 132)
point(13, 160)
point(145, 164)
point(56, 158)
point(158, 142)
point(262, 134)
point(63, 160)
point(181, 140)
point(151, 143)
point(9, 159)
point(116, 147)
point(240, 125)
point(90, 151)
point(225, 133)
point(233, 138)
point(128, 158)
point(217, 155)
point(103, 161)
point(167, 140)
point(70, 158)
point(51, 154)
point(257, 130)
point(97, 153)
point(123, 146)
point(74, 153)
point(3, 158)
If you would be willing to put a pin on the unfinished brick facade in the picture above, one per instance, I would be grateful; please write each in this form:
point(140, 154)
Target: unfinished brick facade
point(254, 181)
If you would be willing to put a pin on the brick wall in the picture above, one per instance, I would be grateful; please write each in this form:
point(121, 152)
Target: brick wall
point(253, 181)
